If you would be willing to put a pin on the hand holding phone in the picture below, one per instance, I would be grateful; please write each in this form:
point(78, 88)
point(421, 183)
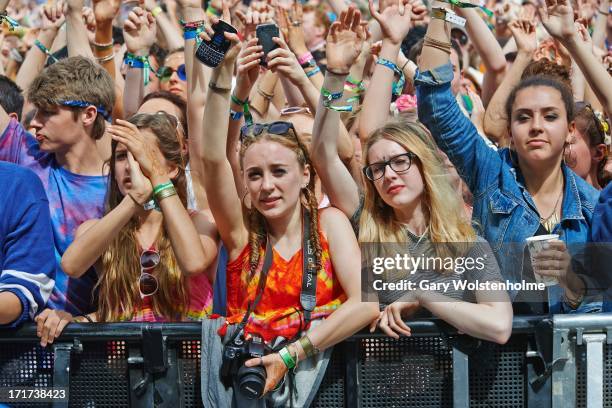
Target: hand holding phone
point(265, 33)
point(212, 53)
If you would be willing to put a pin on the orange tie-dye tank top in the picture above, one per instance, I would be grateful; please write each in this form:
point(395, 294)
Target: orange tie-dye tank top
point(279, 312)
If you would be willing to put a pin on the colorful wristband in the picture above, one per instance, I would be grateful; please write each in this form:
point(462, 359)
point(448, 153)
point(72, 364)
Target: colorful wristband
point(211, 11)
point(314, 72)
point(329, 97)
point(45, 50)
point(165, 193)
point(156, 11)
point(161, 187)
point(287, 358)
point(139, 61)
point(305, 58)
point(398, 86)
point(248, 118)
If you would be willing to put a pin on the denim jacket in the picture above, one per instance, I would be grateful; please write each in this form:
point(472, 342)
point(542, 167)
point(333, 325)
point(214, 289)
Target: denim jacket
point(504, 211)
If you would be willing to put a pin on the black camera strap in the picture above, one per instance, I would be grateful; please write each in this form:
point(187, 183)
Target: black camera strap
point(308, 295)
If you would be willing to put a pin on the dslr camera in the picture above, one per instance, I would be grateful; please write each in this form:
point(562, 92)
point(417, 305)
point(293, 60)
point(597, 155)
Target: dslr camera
point(250, 380)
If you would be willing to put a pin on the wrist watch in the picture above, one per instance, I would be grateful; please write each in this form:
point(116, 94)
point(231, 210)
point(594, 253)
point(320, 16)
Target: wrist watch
point(447, 15)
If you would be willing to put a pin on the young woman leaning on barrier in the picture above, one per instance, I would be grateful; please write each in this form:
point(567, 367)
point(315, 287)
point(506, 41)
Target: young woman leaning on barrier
point(155, 260)
point(265, 235)
point(408, 200)
point(522, 191)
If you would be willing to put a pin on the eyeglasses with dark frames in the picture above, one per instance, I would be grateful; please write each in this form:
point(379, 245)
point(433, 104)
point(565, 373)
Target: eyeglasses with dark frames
point(399, 164)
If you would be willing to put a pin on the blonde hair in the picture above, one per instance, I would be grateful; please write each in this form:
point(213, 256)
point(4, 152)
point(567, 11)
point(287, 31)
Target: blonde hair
point(447, 220)
point(118, 282)
point(255, 221)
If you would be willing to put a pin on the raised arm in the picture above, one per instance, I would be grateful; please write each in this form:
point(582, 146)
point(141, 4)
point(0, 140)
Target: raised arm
point(489, 50)
point(105, 12)
point(168, 30)
point(558, 19)
point(395, 22)
point(217, 172)
point(139, 33)
point(52, 18)
point(76, 33)
point(343, 45)
point(475, 161)
point(495, 120)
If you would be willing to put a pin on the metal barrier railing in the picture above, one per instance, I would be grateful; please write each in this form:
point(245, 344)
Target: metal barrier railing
point(559, 361)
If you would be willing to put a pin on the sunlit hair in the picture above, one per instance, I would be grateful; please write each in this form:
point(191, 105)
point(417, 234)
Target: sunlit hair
point(447, 220)
point(118, 282)
point(255, 221)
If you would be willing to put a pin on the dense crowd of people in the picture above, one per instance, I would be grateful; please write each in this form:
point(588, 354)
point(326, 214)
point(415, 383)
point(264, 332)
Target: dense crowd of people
point(143, 181)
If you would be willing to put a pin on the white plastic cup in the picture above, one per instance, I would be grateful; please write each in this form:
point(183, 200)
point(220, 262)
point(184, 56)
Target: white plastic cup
point(535, 245)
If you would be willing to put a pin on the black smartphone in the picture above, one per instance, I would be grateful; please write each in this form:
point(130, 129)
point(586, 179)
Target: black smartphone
point(212, 52)
point(265, 33)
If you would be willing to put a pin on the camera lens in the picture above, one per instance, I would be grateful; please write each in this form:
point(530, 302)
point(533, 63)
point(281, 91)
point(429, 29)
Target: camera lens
point(251, 381)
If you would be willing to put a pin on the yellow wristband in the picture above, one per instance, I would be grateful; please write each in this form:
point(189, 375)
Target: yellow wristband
point(156, 11)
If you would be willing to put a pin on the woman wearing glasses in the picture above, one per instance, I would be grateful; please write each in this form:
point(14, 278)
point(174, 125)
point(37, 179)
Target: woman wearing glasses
point(409, 203)
point(172, 75)
point(154, 259)
point(274, 219)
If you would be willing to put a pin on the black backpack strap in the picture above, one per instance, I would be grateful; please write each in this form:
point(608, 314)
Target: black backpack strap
point(308, 295)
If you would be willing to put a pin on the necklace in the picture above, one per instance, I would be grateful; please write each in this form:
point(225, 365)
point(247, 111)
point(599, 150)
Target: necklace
point(553, 219)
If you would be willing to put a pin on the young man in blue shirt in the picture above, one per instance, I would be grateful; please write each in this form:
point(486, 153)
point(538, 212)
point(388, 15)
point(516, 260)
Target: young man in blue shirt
point(27, 259)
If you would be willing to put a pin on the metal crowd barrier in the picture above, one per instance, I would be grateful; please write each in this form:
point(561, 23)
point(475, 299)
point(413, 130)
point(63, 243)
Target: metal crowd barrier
point(556, 361)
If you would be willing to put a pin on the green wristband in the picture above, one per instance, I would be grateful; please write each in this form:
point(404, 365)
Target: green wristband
point(161, 187)
point(287, 358)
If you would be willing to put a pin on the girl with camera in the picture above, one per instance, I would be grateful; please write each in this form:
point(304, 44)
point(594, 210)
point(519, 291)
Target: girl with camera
point(268, 234)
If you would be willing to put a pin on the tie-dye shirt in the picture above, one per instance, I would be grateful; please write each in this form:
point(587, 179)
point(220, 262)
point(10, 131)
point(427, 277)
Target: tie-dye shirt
point(200, 303)
point(279, 312)
point(73, 199)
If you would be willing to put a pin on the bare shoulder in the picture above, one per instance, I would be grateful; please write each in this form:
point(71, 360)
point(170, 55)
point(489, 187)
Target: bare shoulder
point(334, 222)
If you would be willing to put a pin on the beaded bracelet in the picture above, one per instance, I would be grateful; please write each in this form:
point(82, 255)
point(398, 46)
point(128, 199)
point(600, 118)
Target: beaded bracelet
point(45, 50)
point(398, 86)
point(139, 61)
point(329, 97)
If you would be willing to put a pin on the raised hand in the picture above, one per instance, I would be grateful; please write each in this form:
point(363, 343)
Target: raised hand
point(344, 41)
point(106, 10)
point(259, 12)
point(90, 23)
point(139, 31)
point(524, 35)
point(285, 63)
point(144, 149)
point(248, 65)
point(141, 189)
point(395, 20)
point(52, 16)
point(558, 18)
point(290, 22)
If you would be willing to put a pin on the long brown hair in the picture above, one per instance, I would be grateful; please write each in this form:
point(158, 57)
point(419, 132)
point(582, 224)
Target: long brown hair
point(256, 222)
point(118, 282)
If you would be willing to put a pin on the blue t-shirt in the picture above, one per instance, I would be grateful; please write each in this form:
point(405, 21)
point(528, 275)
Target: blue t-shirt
point(27, 260)
point(73, 199)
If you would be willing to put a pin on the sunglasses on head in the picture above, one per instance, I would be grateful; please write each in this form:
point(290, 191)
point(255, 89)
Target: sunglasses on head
point(147, 283)
point(164, 73)
point(275, 128)
point(600, 120)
